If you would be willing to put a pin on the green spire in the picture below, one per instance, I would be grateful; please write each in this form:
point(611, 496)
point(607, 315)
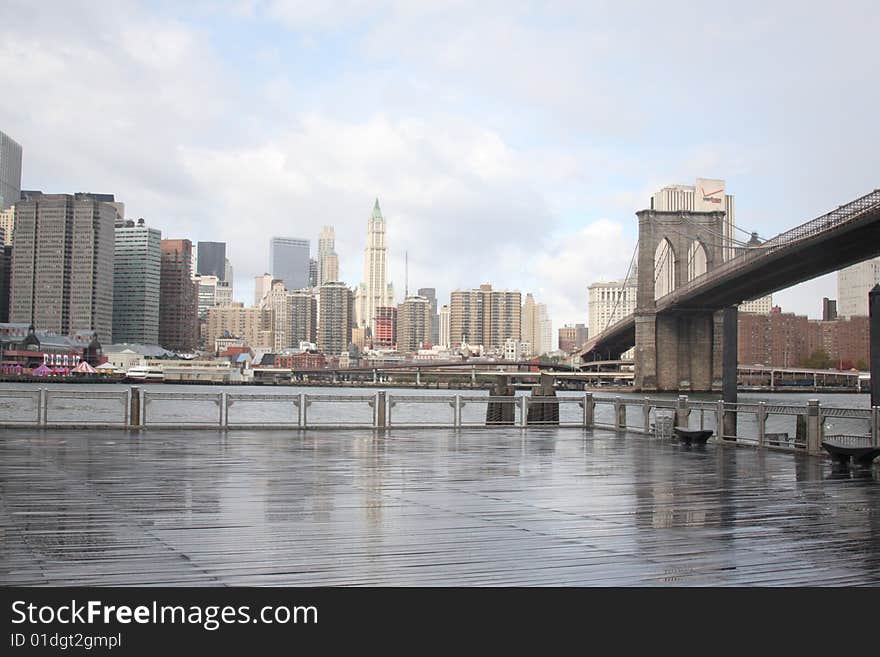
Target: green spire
point(377, 213)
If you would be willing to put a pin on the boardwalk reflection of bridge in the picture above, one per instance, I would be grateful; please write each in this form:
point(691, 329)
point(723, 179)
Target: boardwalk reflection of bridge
point(686, 339)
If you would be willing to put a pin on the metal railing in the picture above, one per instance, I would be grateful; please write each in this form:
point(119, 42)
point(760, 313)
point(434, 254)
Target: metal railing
point(762, 424)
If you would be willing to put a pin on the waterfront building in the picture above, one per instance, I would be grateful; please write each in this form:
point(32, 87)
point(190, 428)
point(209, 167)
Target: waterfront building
point(516, 349)
point(375, 291)
point(359, 337)
point(10, 171)
point(444, 327)
point(211, 260)
point(289, 261)
point(853, 285)
point(484, 317)
point(781, 339)
point(336, 314)
point(137, 273)
point(62, 263)
point(609, 302)
point(252, 324)
point(572, 337)
point(178, 298)
point(313, 272)
point(414, 324)
point(295, 316)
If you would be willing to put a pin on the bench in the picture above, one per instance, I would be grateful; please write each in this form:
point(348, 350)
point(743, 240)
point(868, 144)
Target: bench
point(697, 436)
point(842, 448)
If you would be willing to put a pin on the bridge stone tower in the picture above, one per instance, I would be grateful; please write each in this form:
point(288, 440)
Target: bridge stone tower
point(679, 350)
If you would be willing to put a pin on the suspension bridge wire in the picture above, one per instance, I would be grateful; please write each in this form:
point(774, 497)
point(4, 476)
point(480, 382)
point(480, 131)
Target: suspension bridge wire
point(632, 261)
point(724, 238)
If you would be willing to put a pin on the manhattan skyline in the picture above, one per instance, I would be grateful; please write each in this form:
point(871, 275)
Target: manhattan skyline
point(512, 148)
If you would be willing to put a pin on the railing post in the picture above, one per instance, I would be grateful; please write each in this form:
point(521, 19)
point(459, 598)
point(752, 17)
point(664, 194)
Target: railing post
point(619, 414)
point(42, 407)
point(814, 427)
point(142, 395)
point(524, 411)
point(682, 411)
point(719, 419)
point(223, 409)
point(456, 413)
point(380, 410)
point(875, 426)
point(589, 410)
point(126, 408)
point(762, 423)
point(303, 410)
point(646, 414)
point(134, 408)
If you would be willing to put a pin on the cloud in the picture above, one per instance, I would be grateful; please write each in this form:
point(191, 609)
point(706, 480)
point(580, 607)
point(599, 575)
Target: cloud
point(507, 143)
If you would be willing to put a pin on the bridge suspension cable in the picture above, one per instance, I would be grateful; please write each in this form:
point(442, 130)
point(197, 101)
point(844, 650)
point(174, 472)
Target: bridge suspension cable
point(620, 294)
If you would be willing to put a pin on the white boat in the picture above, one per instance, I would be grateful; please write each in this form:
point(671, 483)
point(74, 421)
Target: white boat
point(145, 374)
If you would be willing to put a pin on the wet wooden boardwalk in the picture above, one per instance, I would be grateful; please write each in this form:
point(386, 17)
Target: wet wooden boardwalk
point(501, 507)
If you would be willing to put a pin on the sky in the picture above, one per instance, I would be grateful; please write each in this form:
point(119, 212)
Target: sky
point(508, 143)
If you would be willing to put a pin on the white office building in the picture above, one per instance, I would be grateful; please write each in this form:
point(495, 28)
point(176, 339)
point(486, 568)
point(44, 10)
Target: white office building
point(853, 285)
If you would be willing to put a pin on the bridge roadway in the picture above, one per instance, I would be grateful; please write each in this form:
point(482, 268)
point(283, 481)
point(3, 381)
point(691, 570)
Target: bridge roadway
point(496, 507)
point(842, 237)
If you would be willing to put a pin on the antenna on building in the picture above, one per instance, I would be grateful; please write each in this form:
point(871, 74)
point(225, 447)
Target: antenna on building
point(405, 275)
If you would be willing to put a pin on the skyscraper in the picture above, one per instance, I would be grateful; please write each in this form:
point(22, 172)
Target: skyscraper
point(328, 261)
point(178, 298)
point(444, 326)
point(385, 333)
point(536, 328)
point(10, 171)
point(484, 317)
point(375, 290)
point(289, 261)
point(137, 272)
point(62, 264)
point(262, 285)
point(413, 324)
point(211, 259)
point(334, 326)
point(430, 294)
point(5, 280)
point(853, 284)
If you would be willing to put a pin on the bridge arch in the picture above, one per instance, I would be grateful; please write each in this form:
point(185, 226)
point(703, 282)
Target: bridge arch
point(698, 260)
point(664, 268)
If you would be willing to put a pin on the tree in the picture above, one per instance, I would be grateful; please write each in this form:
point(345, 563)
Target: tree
point(818, 360)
